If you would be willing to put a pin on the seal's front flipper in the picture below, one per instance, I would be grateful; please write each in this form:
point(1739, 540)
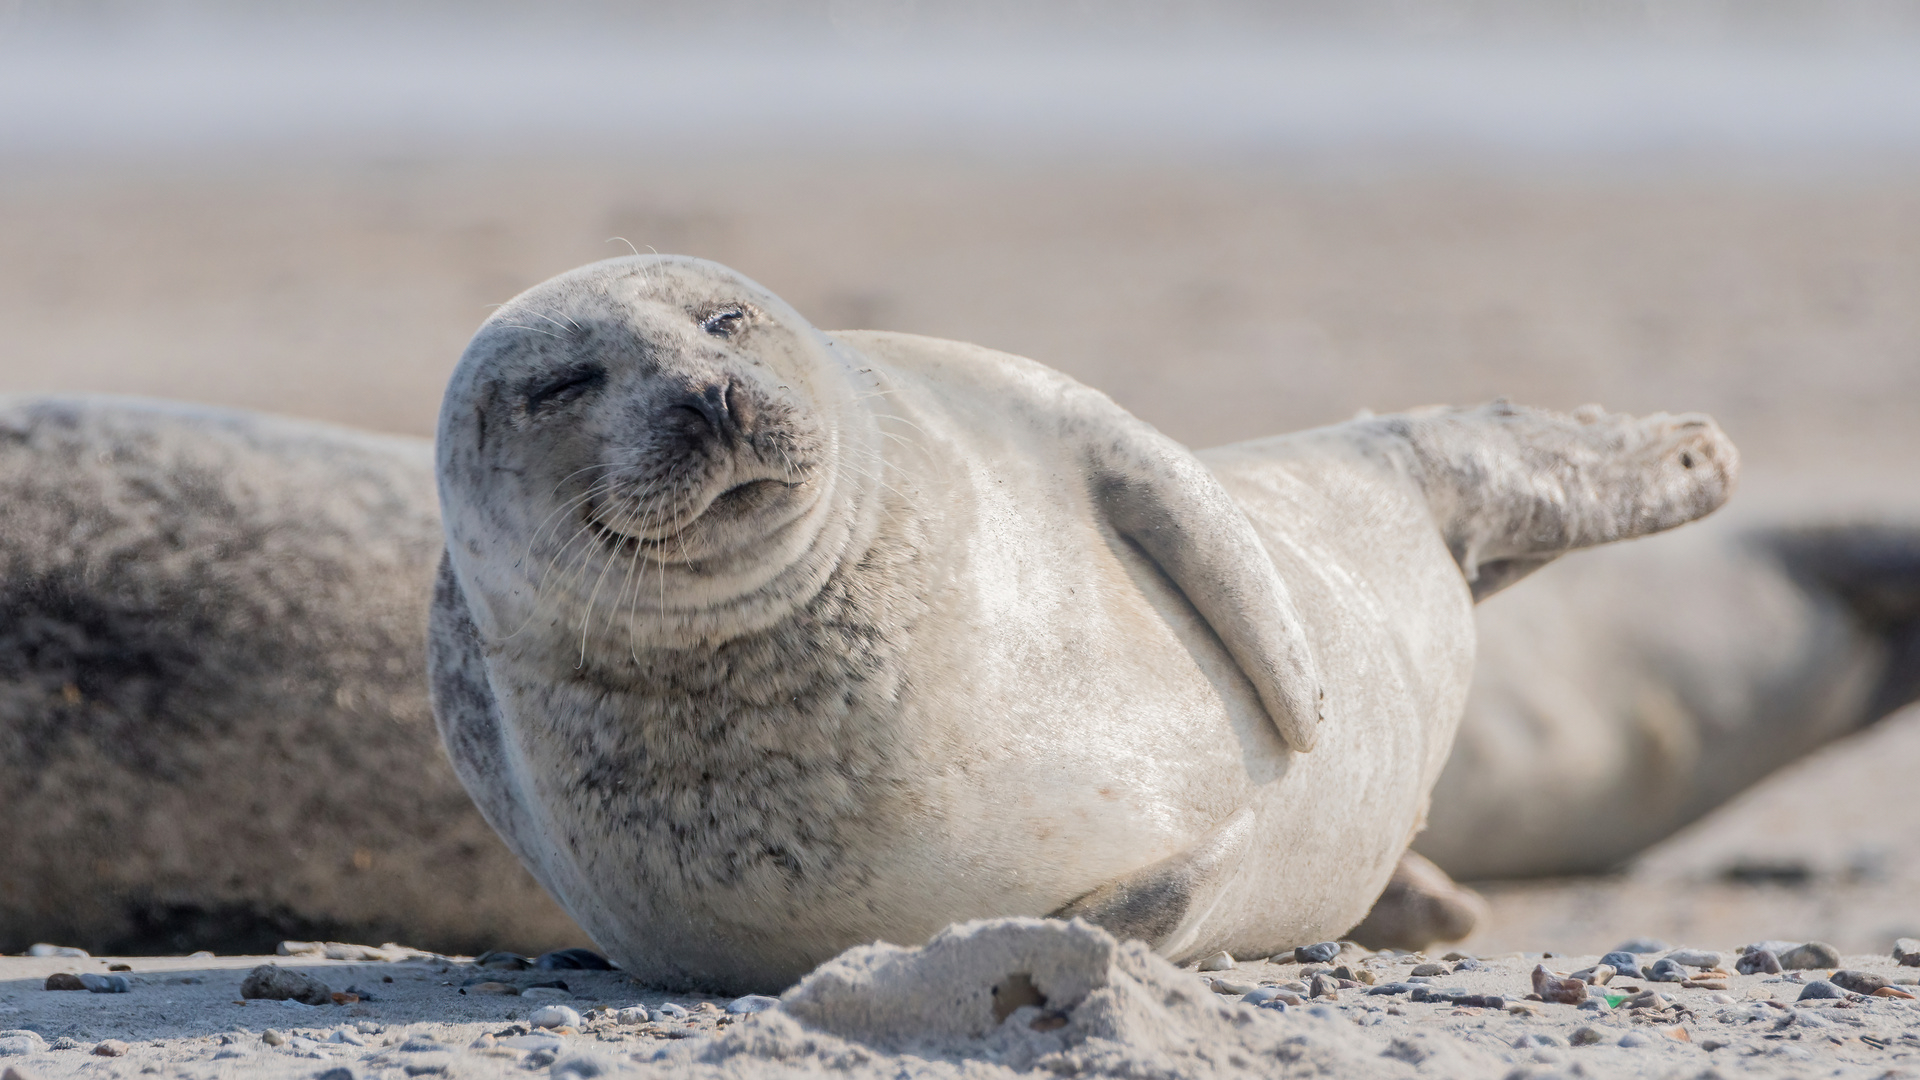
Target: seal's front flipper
point(1157, 494)
point(1512, 488)
point(1163, 904)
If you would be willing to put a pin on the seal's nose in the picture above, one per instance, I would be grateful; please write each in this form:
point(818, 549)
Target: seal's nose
point(724, 409)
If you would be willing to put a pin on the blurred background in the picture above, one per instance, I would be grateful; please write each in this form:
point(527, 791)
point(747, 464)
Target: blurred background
point(1236, 218)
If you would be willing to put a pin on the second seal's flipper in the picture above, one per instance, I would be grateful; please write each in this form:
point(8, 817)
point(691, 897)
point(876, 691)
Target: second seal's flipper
point(1512, 488)
point(1873, 569)
point(1162, 903)
point(1420, 906)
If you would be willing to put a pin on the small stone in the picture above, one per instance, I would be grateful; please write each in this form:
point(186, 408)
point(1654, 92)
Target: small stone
point(1906, 951)
point(1666, 971)
point(347, 1036)
point(1640, 945)
point(675, 1010)
point(632, 1014)
point(751, 1003)
point(1366, 975)
point(1556, 990)
point(1820, 988)
point(273, 1038)
point(1647, 999)
point(572, 960)
point(21, 1041)
point(1807, 1018)
point(1217, 962)
point(64, 1042)
point(65, 980)
point(423, 1044)
point(1893, 992)
point(1694, 958)
point(1722, 999)
point(1758, 962)
point(502, 961)
point(338, 1072)
point(546, 993)
point(1860, 982)
point(1320, 953)
point(554, 1016)
point(1432, 969)
point(106, 984)
point(119, 967)
point(43, 949)
point(1324, 987)
point(271, 982)
point(1623, 963)
point(1634, 1038)
point(499, 988)
point(111, 1048)
point(1814, 954)
point(1597, 975)
point(1231, 986)
point(1586, 1036)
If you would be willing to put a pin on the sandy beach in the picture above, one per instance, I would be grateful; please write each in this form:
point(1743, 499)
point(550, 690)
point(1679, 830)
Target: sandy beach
point(1219, 300)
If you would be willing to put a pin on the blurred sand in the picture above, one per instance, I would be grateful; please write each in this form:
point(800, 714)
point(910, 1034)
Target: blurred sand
point(1219, 300)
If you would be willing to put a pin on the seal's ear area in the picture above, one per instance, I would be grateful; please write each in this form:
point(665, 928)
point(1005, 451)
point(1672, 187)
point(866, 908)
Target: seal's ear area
point(1157, 494)
point(1162, 903)
point(1511, 488)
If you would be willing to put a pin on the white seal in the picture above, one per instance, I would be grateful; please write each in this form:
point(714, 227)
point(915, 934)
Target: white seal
point(756, 643)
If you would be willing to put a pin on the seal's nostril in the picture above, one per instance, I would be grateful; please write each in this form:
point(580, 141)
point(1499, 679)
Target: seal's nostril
point(710, 403)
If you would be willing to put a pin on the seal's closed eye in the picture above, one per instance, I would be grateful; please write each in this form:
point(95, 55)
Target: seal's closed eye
point(725, 323)
point(563, 386)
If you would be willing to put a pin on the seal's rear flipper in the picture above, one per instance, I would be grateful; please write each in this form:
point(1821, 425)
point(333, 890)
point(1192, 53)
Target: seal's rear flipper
point(1874, 570)
point(1420, 906)
point(1512, 488)
point(1164, 903)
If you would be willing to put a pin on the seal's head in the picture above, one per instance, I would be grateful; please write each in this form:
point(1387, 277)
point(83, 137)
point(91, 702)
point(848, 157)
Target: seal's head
point(649, 451)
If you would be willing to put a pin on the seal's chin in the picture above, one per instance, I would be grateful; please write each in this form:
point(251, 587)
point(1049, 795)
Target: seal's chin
point(733, 518)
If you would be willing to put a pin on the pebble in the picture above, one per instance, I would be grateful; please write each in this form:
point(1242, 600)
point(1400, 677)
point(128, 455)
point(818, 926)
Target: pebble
point(1666, 971)
point(1597, 975)
point(553, 1016)
point(1860, 982)
point(1907, 951)
point(632, 1014)
point(546, 993)
point(1820, 988)
point(1431, 969)
point(1640, 945)
point(1229, 986)
point(1814, 954)
point(423, 1044)
point(752, 1003)
point(502, 961)
point(1757, 962)
point(43, 949)
point(1695, 958)
point(1320, 953)
point(500, 988)
point(338, 1072)
point(1260, 995)
point(572, 960)
point(677, 1011)
point(1623, 963)
point(1323, 986)
point(273, 1038)
point(106, 984)
point(1586, 1036)
point(1554, 989)
point(21, 1042)
point(65, 980)
point(111, 1048)
point(274, 983)
point(346, 1035)
point(1634, 1038)
point(1217, 962)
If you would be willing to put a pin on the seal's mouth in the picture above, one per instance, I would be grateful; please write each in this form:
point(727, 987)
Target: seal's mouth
point(740, 500)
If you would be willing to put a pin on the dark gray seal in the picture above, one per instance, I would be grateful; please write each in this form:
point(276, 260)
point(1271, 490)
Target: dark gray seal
point(214, 729)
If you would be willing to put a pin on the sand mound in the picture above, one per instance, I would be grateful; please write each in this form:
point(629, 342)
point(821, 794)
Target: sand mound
point(985, 998)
